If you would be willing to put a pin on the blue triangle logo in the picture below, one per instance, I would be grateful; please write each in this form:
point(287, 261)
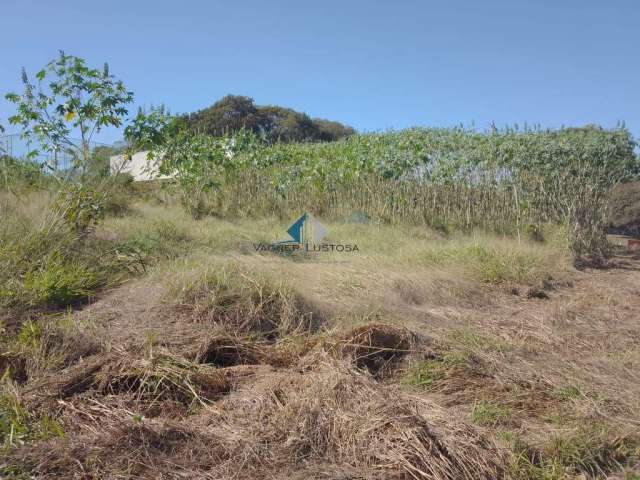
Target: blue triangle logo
point(295, 230)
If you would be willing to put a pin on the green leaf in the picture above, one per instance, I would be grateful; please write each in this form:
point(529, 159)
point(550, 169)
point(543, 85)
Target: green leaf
point(40, 75)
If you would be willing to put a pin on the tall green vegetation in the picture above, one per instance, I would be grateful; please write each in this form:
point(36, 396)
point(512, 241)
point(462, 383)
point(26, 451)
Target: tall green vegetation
point(510, 181)
point(506, 180)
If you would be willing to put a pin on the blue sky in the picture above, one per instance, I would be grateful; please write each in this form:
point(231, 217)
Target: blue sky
point(371, 64)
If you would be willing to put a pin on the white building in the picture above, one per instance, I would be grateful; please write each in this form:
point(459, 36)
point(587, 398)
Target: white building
point(142, 169)
point(138, 166)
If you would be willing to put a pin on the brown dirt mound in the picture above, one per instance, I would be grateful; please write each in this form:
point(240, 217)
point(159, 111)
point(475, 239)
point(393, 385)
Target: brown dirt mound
point(376, 347)
point(323, 419)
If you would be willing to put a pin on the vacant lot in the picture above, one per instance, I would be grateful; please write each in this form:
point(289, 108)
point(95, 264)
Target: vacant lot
point(421, 355)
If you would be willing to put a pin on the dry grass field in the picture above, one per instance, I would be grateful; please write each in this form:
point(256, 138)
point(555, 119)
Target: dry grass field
point(422, 355)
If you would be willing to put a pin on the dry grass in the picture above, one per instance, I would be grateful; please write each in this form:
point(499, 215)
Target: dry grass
point(229, 296)
point(377, 347)
point(224, 350)
point(321, 419)
point(48, 345)
point(224, 363)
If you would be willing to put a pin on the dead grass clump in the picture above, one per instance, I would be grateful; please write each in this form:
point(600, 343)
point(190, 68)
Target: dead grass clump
point(246, 303)
point(123, 447)
point(376, 347)
point(323, 419)
point(228, 351)
point(71, 381)
point(329, 414)
point(13, 366)
point(162, 377)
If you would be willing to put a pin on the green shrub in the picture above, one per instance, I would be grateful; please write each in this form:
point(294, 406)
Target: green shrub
point(58, 282)
point(77, 207)
point(120, 191)
point(22, 175)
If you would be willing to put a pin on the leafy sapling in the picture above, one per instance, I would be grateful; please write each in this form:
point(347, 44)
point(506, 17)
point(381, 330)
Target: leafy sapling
point(68, 100)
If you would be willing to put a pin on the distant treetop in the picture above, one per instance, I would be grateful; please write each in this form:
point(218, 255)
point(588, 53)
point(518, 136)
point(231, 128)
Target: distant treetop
point(233, 112)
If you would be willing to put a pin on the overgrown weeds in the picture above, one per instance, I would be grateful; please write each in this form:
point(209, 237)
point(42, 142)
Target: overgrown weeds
point(162, 239)
point(51, 255)
point(449, 179)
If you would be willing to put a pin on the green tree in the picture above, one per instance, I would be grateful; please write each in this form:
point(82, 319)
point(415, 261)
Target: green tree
point(290, 126)
point(329, 130)
point(69, 98)
point(228, 115)
point(233, 113)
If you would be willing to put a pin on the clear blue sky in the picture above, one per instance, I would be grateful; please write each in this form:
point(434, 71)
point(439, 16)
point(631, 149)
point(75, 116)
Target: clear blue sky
point(372, 64)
